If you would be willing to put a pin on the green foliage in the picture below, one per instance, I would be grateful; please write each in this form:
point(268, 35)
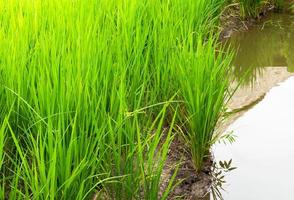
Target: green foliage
point(87, 86)
point(252, 8)
point(205, 90)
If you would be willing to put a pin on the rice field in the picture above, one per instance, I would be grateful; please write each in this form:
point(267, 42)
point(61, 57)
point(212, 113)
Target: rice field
point(94, 92)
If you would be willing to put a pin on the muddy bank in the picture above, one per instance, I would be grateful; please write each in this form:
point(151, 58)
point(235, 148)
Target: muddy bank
point(190, 186)
point(232, 22)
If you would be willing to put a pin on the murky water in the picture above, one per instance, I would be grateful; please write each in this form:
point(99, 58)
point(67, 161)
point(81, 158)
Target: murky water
point(268, 44)
point(264, 149)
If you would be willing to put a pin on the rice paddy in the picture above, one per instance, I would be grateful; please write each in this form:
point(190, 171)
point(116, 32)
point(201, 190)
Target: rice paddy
point(94, 92)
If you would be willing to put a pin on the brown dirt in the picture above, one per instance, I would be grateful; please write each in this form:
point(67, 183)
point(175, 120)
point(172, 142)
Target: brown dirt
point(191, 185)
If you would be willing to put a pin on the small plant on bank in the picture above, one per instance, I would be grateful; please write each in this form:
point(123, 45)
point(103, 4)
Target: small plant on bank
point(205, 87)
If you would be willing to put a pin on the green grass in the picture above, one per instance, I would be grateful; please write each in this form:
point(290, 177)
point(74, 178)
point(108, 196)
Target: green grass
point(252, 8)
point(74, 74)
point(206, 92)
point(90, 90)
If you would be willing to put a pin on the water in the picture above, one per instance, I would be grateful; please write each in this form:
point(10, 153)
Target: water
point(264, 149)
point(268, 44)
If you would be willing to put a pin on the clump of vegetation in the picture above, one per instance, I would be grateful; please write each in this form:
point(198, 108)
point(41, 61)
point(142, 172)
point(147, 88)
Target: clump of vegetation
point(88, 91)
point(280, 4)
point(78, 81)
point(253, 8)
point(206, 91)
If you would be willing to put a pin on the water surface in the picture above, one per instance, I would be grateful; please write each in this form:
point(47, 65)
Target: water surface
point(269, 43)
point(264, 149)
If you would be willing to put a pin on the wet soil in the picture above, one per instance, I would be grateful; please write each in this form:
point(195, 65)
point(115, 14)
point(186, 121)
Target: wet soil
point(191, 185)
point(232, 22)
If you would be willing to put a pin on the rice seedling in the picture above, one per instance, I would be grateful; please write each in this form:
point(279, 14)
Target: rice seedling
point(205, 91)
point(86, 92)
point(281, 4)
point(252, 8)
point(74, 75)
point(2, 150)
point(202, 76)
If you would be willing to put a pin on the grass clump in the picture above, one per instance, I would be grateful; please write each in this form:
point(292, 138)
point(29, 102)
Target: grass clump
point(205, 91)
point(253, 8)
point(74, 74)
point(86, 92)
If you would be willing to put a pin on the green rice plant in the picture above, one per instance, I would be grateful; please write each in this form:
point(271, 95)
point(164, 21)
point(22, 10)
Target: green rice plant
point(280, 4)
point(202, 77)
point(87, 86)
point(74, 77)
point(42, 176)
point(251, 8)
point(2, 142)
point(2, 158)
point(205, 87)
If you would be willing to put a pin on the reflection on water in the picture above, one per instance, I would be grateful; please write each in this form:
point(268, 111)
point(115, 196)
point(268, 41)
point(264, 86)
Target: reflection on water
point(268, 44)
point(264, 150)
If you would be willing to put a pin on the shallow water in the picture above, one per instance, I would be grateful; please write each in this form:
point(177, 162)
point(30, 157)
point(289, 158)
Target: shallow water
point(270, 43)
point(264, 148)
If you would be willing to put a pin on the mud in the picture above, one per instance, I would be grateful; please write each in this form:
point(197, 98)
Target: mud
point(232, 22)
